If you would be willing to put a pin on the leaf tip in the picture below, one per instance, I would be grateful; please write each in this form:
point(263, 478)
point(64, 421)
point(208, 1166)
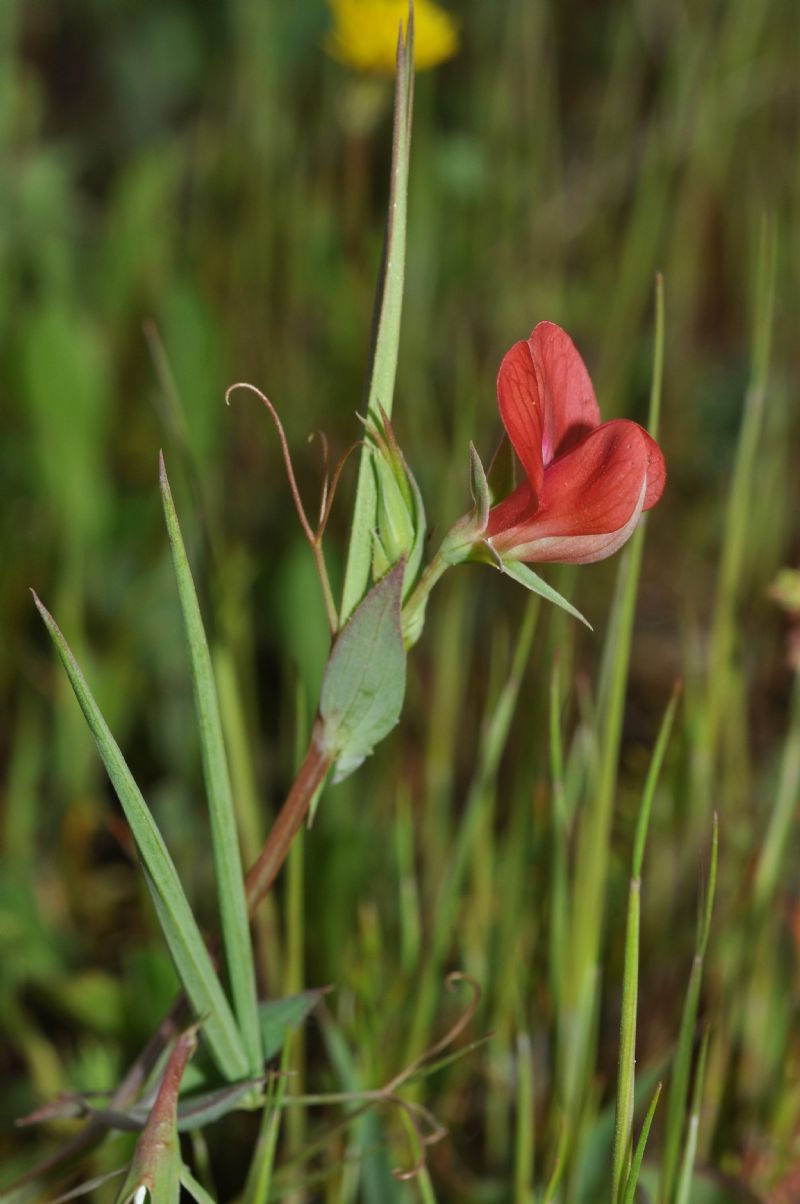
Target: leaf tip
point(42, 609)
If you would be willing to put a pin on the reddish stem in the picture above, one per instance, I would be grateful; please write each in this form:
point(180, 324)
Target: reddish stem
point(259, 880)
point(310, 776)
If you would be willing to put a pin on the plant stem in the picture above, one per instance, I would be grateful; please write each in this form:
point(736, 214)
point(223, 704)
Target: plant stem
point(311, 775)
point(259, 880)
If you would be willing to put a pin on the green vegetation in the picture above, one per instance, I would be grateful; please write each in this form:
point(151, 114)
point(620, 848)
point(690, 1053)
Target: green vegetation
point(557, 905)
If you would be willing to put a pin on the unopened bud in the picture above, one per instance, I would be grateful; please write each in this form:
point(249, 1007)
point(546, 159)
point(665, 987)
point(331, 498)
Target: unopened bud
point(400, 513)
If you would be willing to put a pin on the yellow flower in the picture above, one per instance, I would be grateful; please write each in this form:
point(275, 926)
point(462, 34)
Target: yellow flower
point(364, 34)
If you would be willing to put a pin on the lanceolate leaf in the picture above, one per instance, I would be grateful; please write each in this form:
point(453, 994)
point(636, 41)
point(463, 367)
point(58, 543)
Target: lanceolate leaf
point(479, 488)
point(638, 1156)
point(194, 1111)
point(278, 1017)
point(224, 838)
point(537, 585)
point(365, 679)
point(386, 330)
point(182, 934)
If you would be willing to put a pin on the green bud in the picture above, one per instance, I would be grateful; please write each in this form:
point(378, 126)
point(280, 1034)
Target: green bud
point(400, 513)
point(394, 535)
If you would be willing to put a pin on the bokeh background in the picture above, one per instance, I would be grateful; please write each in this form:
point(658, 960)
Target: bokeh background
point(194, 194)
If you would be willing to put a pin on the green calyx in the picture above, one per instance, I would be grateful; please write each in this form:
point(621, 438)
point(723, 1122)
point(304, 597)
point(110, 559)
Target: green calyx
point(400, 513)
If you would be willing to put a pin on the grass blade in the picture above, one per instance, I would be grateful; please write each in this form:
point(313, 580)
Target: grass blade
point(195, 1189)
point(259, 1176)
point(679, 1086)
point(594, 837)
point(623, 1126)
point(386, 329)
point(495, 733)
point(191, 957)
point(690, 1149)
point(735, 544)
point(636, 1164)
point(227, 860)
point(773, 850)
point(627, 1042)
point(525, 1121)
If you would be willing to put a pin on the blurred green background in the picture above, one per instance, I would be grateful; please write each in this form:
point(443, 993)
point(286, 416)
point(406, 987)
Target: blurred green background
point(194, 194)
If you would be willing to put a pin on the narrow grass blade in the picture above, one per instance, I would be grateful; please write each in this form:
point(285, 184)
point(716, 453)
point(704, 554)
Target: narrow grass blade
point(224, 838)
point(386, 330)
point(559, 1165)
point(679, 1086)
point(641, 1145)
point(690, 1148)
point(181, 932)
point(524, 1139)
point(623, 1125)
point(259, 1176)
point(559, 871)
point(595, 832)
point(745, 478)
point(627, 1042)
point(779, 828)
point(195, 1189)
point(493, 742)
point(421, 1178)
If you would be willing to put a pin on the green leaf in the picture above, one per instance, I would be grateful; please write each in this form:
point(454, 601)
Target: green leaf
point(479, 488)
point(386, 330)
point(257, 1188)
point(684, 1188)
point(365, 678)
point(400, 523)
point(278, 1017)
point(203, 1109)
point(623, 1125)
point(501, 475)
point(641, 1145)
point(83, 1189)
point(537, 585)
point(224, 839)
point(182, 934)
point(681, 1066)
point(195, 1189)
point(627, 1043)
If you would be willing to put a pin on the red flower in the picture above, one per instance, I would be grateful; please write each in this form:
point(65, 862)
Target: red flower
point(587, 482)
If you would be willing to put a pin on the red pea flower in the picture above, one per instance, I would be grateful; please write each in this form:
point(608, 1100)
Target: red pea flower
point(587, 481)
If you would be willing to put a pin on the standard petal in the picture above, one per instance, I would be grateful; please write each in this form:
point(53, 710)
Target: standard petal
point(520, 410)
point(568, 404)
point(591, 498)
